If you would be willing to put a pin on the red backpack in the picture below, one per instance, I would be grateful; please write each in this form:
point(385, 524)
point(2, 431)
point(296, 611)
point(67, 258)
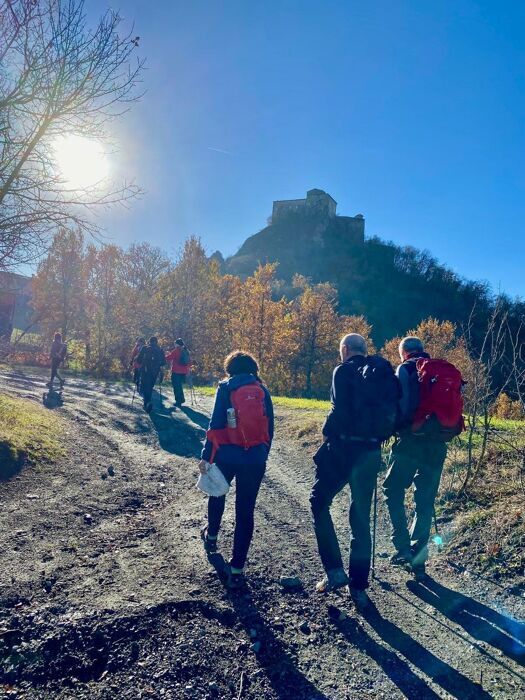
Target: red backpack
point(252, 422)
point(439, 413)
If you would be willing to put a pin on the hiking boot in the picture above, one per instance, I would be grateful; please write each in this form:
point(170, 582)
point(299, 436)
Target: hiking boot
point(402, 559)
point(359, 598)
point(334, 579)
point(235, 579)
point(210, 543)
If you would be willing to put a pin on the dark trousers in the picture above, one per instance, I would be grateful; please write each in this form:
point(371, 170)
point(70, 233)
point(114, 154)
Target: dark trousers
point(147, 383)
point(358, 467)
point(55, 364)
point(417, 461)
point(136, 378)
point(248, 480)
point(177, 380)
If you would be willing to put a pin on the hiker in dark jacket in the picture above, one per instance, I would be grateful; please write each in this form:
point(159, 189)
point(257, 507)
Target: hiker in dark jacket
point(151, 360)
point(57, 355)
point(414, 460)
point(246, 464)
point(133, 364)
point(179, 358)
point(345, 459)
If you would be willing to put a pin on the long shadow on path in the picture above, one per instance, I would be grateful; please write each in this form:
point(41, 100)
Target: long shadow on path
point(399, 672)
point(176, 435)
point(285, 678)
point(201, 419)
point(480, 621)
point(449, 678)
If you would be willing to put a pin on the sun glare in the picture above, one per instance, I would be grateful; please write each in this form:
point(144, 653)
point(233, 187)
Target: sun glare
point(81, 162)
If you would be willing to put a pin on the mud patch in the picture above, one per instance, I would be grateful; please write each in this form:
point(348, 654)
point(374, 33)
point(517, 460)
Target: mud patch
point(70, 652)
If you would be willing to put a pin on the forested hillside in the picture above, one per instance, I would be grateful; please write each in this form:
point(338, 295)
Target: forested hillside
point(395, 288)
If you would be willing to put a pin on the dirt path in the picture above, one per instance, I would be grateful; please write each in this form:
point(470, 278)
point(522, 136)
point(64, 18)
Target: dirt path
point(105, 591)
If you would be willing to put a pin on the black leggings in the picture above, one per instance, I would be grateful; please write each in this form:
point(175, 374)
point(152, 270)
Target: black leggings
point(55, 364)
point(248, 480)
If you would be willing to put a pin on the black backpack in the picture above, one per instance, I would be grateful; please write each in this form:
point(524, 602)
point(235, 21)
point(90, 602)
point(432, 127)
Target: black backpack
point(376, 394)
point(152, 361)
point(184, 357)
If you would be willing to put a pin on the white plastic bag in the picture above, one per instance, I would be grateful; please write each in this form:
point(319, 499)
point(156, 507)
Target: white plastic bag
point(213, 483)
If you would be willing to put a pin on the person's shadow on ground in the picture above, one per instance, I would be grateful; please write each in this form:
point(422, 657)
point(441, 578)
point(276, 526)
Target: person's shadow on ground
point(480, 621)
point(273, 658)
point(176, 436)
point(449, 678)
point(398, 670)
point(201, 419)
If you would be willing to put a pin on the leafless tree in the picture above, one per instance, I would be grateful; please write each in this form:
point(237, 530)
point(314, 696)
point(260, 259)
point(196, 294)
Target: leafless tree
point(482, 392)
point(57, 77)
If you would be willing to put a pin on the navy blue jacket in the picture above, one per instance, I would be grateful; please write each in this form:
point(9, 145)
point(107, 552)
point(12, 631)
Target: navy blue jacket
point(339, 420)
point(235, 454)
point(409, 399)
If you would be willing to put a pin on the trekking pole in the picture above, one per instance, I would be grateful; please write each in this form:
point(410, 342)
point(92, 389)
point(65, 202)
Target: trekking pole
point(374, 533)
point(161, 379)
point(192, 390)
point(437, 539)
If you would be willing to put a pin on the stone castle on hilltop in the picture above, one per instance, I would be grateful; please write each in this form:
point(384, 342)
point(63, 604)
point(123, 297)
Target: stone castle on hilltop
point(322, 206)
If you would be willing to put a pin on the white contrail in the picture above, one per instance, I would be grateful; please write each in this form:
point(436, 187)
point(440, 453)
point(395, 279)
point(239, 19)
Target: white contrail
point(219, 150)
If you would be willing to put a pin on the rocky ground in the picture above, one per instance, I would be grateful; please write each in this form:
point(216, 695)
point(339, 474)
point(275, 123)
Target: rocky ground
point(106, 592)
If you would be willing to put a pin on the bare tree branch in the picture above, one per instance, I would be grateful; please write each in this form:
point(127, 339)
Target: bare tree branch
point(57, 77)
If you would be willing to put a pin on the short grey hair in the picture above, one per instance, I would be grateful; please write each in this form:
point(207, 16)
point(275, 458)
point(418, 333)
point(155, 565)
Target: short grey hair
point(355, 343)
point(410, 344)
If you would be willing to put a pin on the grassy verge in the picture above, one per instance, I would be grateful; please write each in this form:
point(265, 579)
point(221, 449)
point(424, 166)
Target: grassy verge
point(28, 433)
point(284, 401)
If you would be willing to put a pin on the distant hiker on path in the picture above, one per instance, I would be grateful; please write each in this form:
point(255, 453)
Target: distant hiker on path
point(151, 360)
point(364, 398)
point(57, 353)
point(431, 409)
point(134, 365)
point(238, 441)
point(180, 361)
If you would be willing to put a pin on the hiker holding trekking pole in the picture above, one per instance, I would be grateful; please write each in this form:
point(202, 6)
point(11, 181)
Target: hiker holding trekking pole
point(151, 360)
point(364, 397)
point(133, 364)
point(57, 354)
point(180, 361)
point(431, 414)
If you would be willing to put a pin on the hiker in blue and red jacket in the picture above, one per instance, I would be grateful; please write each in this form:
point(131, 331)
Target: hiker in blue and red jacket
point(238, 442)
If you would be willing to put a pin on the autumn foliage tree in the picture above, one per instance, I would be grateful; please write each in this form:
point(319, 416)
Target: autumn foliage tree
point(59, 290)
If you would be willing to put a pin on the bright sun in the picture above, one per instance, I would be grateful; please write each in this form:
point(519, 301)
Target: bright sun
point(81, 161)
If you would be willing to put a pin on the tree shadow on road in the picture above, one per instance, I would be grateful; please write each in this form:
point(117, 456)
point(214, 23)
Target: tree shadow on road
point(449, 678)
point(481, 622)
point(273, 658)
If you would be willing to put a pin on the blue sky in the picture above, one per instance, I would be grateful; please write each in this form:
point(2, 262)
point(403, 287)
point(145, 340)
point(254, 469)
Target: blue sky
point(411, 113)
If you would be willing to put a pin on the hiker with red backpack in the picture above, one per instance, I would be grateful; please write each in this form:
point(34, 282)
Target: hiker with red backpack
point(180, 361)
point(431, 414)
point(364, 397)
point(238, 441)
